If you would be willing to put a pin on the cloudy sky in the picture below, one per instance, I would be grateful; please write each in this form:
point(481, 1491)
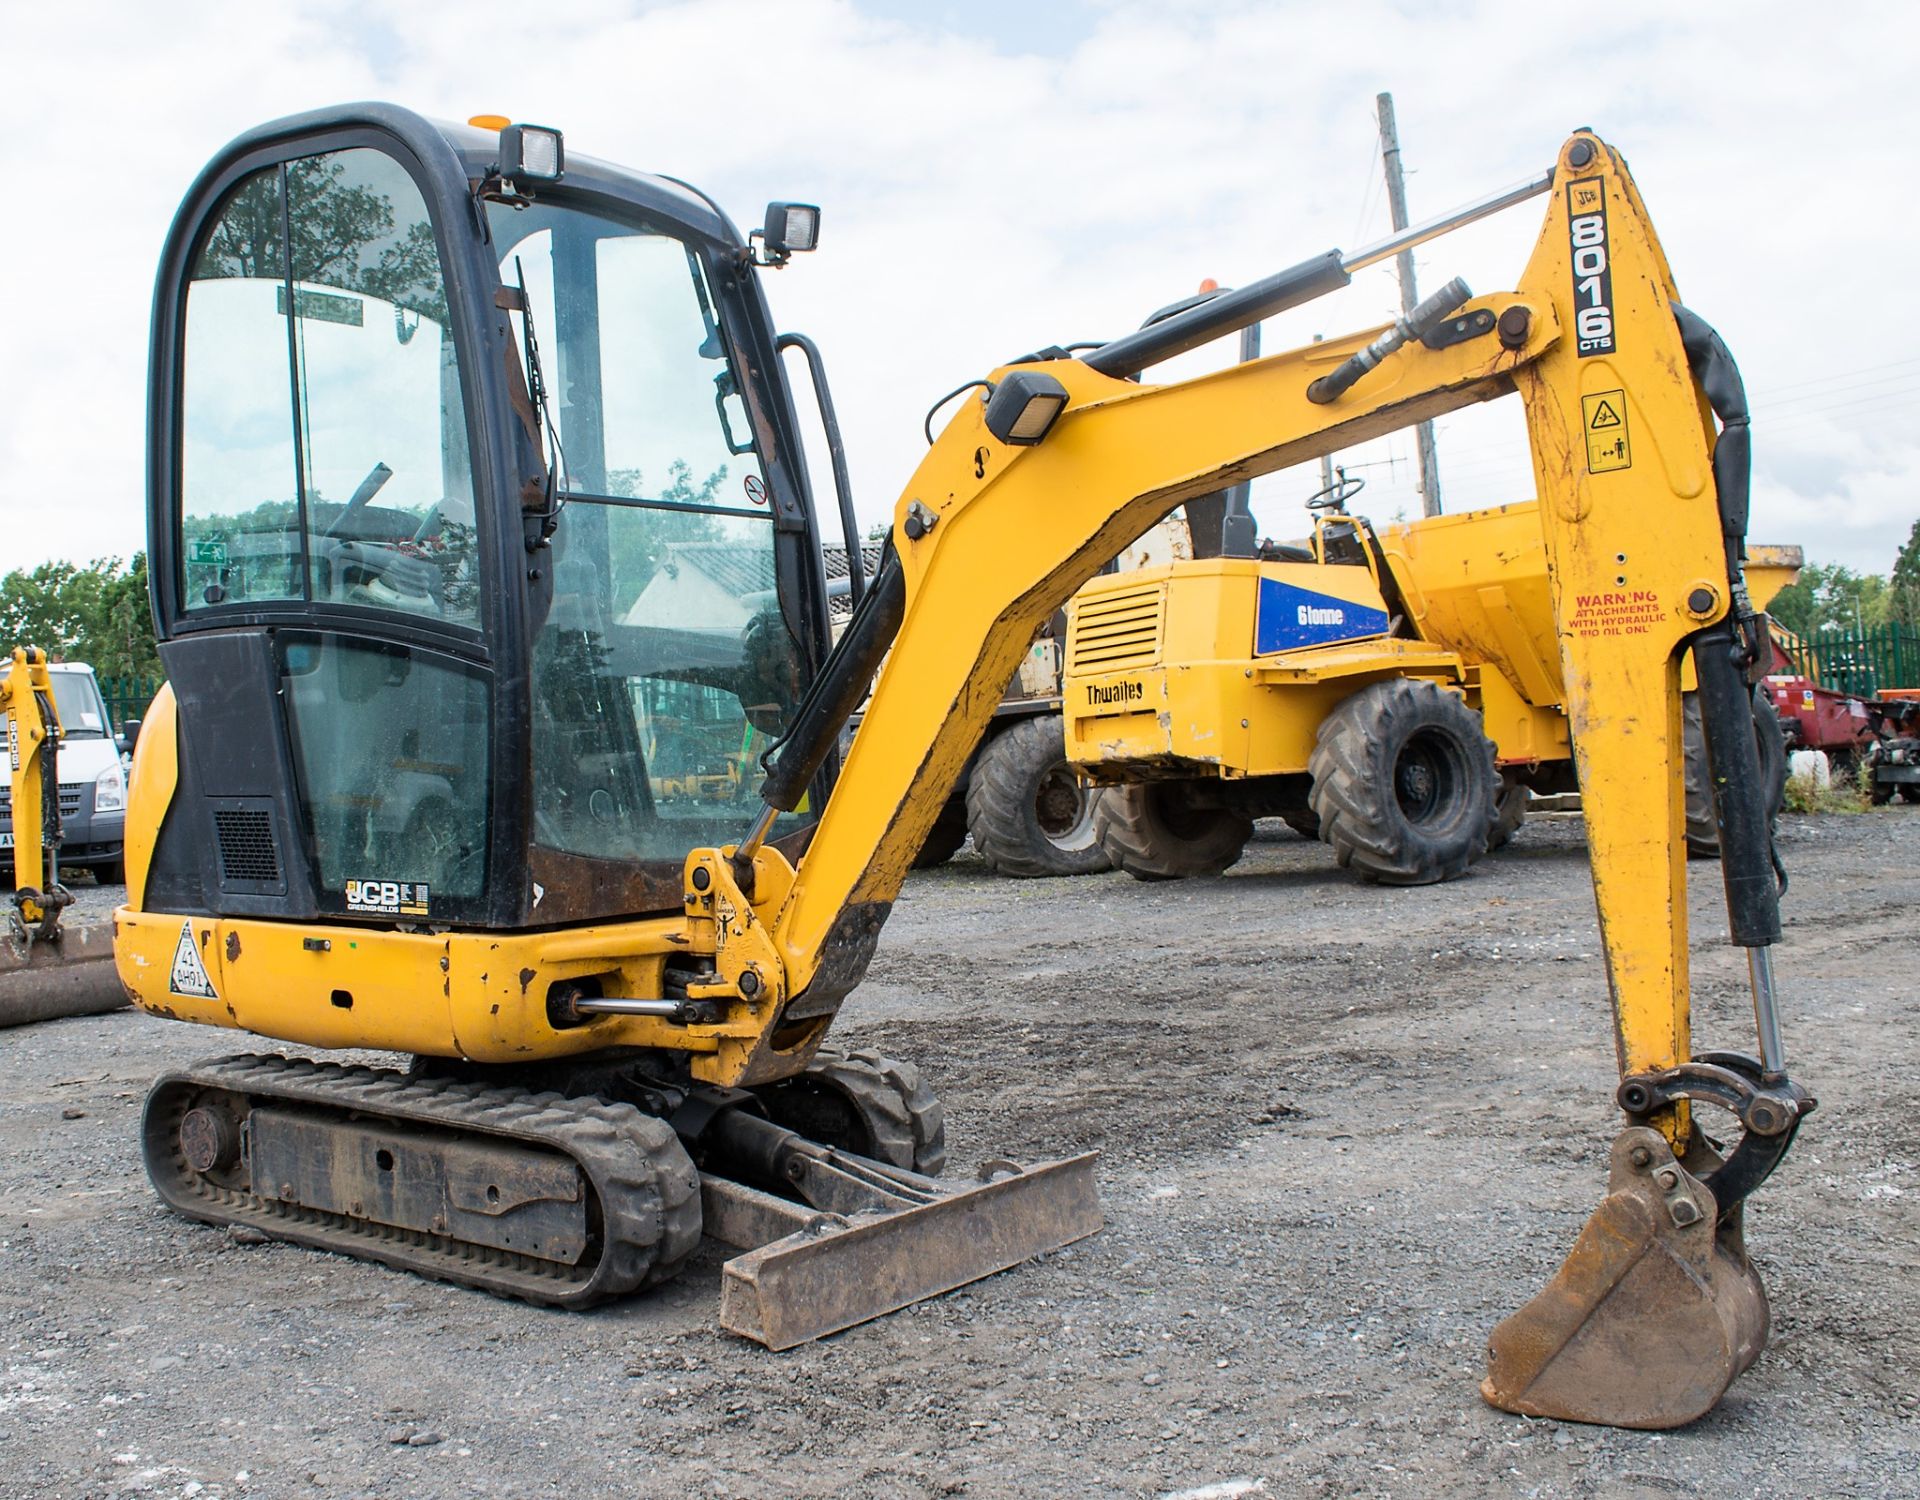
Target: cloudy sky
point(1006, 173)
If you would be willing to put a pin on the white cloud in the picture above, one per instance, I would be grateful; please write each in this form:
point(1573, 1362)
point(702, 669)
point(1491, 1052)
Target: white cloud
point(983, 196)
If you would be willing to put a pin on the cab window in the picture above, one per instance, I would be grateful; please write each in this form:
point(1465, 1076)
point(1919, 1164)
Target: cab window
point(663, 668)
point(323, 439)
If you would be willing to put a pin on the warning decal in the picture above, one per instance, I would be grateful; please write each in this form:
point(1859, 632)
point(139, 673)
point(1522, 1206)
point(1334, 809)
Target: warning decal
point(1604, 415)
point(189, 975)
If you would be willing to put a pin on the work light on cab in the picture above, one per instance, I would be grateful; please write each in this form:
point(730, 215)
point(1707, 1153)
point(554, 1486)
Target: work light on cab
point(531, 153)
point(790, 229)
point(1023, 407)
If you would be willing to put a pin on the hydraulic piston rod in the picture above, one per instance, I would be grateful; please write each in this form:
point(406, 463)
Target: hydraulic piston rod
point(1294, 287)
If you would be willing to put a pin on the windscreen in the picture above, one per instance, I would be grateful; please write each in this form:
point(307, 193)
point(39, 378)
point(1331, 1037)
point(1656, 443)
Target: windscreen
point(664, 668)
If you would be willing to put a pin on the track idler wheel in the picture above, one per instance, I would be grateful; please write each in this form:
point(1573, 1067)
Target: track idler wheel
point(1653, 1314)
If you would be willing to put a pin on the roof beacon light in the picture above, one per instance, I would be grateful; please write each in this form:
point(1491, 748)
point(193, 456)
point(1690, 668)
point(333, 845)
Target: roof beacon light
point(531, 153)
point(1023, 408)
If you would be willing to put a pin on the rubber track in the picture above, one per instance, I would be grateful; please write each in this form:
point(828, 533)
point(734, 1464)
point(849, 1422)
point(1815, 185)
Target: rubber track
point(909, 1124)
point(645, 1185)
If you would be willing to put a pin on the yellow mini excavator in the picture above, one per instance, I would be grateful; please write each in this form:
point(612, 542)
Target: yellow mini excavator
point(479, 527)
point(49, 967)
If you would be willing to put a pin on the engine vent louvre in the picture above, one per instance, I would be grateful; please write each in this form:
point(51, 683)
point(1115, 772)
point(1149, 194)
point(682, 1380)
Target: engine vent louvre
point(1117, 630)
point(247, 850)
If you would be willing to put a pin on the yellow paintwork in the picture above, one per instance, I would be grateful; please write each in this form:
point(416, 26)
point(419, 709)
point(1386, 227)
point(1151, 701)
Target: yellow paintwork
point(150, 788)
point(1189, 699)
point(1016, 532)
point(24, 687)
point(476, 995)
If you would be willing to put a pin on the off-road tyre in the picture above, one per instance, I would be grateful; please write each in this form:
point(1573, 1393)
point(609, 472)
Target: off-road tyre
point(860, 1101)
point(1703, 834)
point(1154, 832)
point(1509, 812)
point(949, 832)
point(1028, 814)
point(1404, 783)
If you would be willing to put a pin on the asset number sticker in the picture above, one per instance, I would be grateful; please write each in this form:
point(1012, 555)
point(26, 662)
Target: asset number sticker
point(1592, 267)
point(1604, 417)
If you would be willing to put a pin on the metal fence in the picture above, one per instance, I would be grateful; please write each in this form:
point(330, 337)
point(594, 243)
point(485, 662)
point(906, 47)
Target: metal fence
point(1862, 662)
point(128, 697)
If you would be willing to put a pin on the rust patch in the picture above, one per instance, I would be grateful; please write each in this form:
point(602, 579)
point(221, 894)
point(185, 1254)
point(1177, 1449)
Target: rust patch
point(527, 977)
point(206, 936)
point(495, 1010)
point(233, 946)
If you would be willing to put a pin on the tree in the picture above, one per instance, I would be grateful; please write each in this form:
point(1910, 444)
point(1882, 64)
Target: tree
point(97, 614)
point(1903, 593)
point(1831, 595)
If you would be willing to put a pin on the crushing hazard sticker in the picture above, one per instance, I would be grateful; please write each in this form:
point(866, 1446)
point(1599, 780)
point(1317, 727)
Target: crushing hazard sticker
point(1604, 416)
point(189, 976)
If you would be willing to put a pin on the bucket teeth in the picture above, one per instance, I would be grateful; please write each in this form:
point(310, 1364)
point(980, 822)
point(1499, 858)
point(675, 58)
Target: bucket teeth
point(1653, 1314)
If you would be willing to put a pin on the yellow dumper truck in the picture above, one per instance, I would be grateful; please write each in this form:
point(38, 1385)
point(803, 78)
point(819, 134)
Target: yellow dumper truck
point(1394, 691)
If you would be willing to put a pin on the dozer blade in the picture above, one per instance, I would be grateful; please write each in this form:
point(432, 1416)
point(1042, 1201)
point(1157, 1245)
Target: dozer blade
point(828, 1271)
point(1654, 1313)
point(70, 975)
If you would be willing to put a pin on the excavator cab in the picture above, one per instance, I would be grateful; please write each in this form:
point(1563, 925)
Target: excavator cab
point(486, 573)
point(481, 543)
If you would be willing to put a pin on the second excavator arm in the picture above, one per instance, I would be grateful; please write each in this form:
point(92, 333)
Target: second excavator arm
point(1643, 503)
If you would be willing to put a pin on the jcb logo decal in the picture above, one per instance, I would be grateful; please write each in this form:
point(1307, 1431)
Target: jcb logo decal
point(388, 897)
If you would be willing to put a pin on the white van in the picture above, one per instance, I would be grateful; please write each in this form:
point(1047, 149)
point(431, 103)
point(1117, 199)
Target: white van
point(93, 781)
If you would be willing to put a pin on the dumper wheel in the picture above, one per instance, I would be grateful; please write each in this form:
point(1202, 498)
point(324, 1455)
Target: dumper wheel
point(1027, 811)
point(1404, 783)
point(865, 1103)
point(1703, 834)
point(1153, 831)
point(1509, 812)
point(949, 832)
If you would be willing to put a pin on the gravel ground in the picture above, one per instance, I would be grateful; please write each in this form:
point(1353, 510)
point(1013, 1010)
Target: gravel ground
point(1344, 1130)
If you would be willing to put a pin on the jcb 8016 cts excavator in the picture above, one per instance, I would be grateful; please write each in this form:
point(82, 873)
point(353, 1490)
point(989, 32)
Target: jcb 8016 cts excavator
point(479, 534)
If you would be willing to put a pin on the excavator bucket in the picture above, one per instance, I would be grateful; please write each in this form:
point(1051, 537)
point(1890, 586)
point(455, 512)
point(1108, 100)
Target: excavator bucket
point(1653, 1314)
point(806, 1274)
point(70, 974)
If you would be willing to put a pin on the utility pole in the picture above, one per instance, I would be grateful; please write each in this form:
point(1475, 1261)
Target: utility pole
point(1326, 459)
point(1409, 297)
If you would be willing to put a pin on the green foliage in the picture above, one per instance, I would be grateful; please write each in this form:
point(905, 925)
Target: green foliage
point(1830, 594)
point(1903, 592)
point(97, 614)
point(1842, 794)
